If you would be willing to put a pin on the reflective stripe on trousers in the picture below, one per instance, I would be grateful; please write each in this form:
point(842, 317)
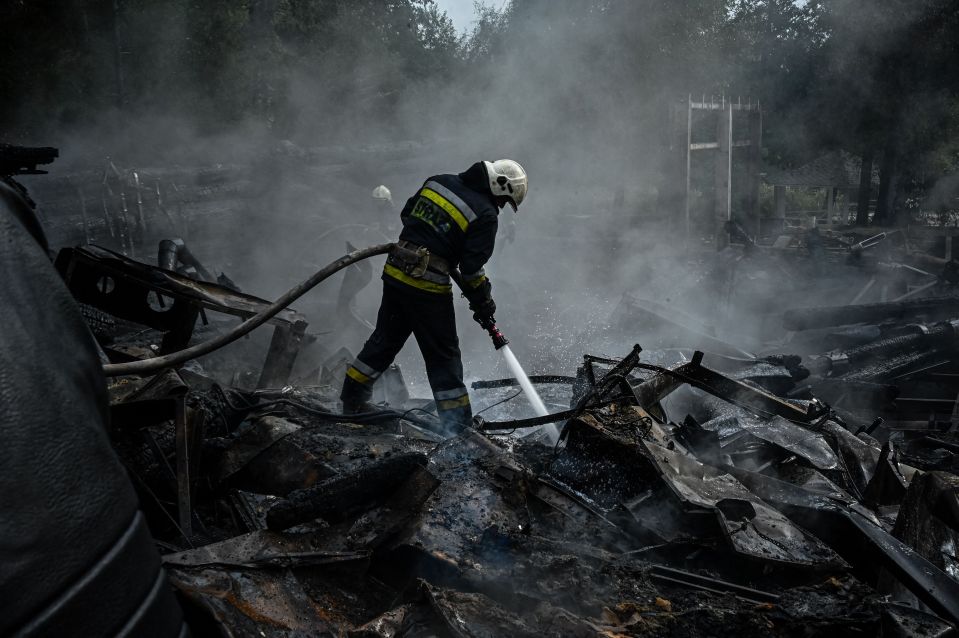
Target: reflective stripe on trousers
point(363, 373)
point(451, 399)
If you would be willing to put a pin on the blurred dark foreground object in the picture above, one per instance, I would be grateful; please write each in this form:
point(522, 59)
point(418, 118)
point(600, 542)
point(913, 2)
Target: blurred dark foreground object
point(77, 556)
point(23, 160)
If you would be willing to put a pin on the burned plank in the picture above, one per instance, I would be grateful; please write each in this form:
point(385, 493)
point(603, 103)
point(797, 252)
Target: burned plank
point(340, 495)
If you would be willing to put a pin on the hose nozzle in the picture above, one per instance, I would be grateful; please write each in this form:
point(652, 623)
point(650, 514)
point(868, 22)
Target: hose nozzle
point(489, 325)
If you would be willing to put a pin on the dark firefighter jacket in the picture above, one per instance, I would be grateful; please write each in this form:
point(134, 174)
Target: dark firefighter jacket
point(455, 218)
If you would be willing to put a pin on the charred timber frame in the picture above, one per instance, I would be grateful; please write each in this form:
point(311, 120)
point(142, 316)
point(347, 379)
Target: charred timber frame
point(121, 287)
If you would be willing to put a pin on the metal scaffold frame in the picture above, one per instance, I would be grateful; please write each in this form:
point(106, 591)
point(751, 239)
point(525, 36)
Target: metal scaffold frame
point(726, 140)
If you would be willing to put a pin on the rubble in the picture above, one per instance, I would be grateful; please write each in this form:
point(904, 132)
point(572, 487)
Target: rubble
point(801, 481)
point(749, 503)
point(140, 293)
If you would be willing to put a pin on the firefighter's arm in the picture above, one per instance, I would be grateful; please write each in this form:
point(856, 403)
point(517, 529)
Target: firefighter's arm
point(477, 249)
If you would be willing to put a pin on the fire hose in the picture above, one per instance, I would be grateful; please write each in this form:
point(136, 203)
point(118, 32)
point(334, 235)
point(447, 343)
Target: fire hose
point(155, 364)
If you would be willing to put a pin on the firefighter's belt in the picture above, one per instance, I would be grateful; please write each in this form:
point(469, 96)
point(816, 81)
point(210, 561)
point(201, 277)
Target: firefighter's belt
point(416, 261)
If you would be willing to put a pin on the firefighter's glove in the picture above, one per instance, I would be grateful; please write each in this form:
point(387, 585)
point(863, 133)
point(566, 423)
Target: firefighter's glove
point(483, 311)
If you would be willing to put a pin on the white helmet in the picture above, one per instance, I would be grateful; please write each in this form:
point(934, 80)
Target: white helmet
point(382, 193)
point(507, 179)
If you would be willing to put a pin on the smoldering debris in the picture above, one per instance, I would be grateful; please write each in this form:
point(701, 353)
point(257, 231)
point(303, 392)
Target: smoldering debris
point(797, 480)
point(636, 524)
point(692, 493)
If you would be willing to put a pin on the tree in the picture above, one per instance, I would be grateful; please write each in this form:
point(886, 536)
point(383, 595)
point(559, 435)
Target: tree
point(891, 81)
point(772, 51)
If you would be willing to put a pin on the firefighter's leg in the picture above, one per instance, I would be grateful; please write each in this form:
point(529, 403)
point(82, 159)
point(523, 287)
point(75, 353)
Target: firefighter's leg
point(434, 326)
point(392, 331)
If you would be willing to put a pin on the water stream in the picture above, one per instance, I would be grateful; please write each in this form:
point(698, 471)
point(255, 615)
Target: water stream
point(531, 395)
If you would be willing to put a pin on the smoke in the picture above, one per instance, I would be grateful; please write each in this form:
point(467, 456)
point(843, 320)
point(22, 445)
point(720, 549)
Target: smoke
point(318, 103)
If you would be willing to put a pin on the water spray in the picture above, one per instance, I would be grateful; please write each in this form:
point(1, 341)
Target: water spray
point(500, 342)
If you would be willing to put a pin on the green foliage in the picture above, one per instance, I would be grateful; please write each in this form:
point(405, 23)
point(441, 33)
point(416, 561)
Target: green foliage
point(216, 62)
point(863, 75)
point(776, 47)
point(488, 35)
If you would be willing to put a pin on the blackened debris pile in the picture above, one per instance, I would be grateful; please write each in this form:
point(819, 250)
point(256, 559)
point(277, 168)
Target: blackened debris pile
point(680, 500)
point(704, 494)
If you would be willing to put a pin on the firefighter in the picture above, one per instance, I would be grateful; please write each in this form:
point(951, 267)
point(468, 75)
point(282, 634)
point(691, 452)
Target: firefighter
point(385, 212)
point(383, 197)
point(449, 224)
